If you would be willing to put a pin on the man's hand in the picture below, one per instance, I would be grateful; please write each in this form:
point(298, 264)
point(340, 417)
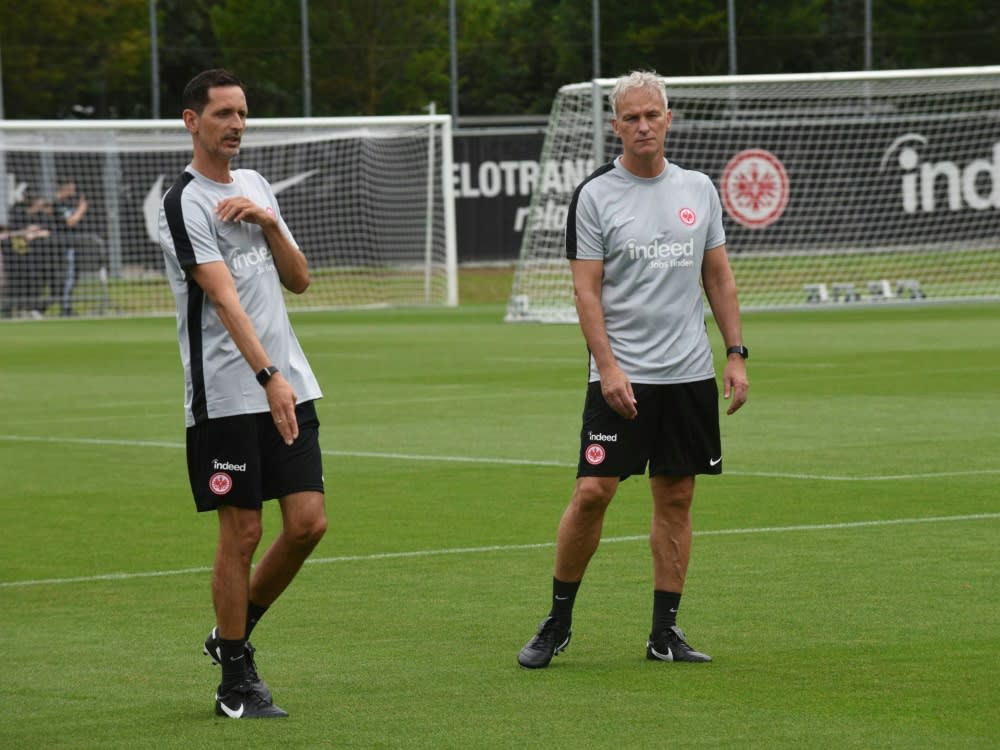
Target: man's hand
point(243, 209)
point(617, 391)
point(282, 399)
point(735, 382)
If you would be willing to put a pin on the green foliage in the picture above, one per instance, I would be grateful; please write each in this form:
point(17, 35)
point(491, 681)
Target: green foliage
point(266, 54)
point(927, 33)
point(367, 56)
point(59, 54)
point(393, 56)
point(187, 46)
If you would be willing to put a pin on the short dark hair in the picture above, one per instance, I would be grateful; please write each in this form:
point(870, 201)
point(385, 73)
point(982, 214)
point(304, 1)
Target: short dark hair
point(195, 94)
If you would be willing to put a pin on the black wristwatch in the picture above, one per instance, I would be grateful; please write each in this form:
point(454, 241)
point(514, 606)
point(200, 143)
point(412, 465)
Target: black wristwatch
point(265, 375)
point(739, 349)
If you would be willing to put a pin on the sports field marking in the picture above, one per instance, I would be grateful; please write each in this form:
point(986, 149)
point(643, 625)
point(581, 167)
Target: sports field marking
point(375, 556)
point(538, 360)
point(516, 461)
point(107, 416)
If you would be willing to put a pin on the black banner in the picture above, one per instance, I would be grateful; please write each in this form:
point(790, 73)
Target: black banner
point(495, 174)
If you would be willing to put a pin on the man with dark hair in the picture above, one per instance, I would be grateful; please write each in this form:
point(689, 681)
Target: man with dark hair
point(252, 429)
point(70, 207)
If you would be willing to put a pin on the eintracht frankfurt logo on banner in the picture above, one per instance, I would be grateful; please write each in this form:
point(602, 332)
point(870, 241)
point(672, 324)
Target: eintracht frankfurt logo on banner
point(755, 188)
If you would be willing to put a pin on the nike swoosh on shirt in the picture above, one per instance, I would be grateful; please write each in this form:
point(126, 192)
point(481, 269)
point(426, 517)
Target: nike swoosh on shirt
point(714, 461)
point(623, 222)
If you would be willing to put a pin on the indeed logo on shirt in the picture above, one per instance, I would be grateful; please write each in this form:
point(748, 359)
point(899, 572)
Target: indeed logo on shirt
point(255, 256)
point(659, 250)
point(663, 254)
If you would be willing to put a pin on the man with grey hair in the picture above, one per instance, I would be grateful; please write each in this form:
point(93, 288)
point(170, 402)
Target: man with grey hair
point(644, 238)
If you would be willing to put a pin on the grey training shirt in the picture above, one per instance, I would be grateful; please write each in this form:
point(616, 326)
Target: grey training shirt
point(218, 381)
point(652, 235)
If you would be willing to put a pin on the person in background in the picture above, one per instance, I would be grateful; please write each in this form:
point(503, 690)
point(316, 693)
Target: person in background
point(70, 208)
point(22, 245)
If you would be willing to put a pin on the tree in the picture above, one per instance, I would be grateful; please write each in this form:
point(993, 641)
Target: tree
point(367, 56)
point(60, 54)
point(509, 57)
point(381, 56)
point(935, 33)
point(187, 45)
point(265, 52)
point(392, 56)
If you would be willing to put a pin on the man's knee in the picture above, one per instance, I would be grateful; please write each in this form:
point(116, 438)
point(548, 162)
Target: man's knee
point(594, 494)
point(305, 519)
point(673, 495)
point(240, 530)
point(308, 531)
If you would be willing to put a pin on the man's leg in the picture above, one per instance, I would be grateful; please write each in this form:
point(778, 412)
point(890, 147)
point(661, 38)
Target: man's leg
point(670, 534)
point(580, 527)
point(670, 542)
point(239, 535)
point(303, 525)
point(242, 694)
point(576, 542)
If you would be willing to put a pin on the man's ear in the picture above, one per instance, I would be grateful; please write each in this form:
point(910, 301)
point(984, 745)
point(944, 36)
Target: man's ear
point(190, 118)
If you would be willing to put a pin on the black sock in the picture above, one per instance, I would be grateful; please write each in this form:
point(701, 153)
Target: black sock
point(563, 596)
point(254, 613)
point(234, 666)
point(665, 606)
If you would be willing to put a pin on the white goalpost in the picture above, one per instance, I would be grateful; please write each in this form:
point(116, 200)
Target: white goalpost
point(840, 188)
point(369, 199)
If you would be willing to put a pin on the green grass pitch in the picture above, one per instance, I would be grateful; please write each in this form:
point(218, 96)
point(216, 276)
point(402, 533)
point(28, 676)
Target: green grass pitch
point(844, 576)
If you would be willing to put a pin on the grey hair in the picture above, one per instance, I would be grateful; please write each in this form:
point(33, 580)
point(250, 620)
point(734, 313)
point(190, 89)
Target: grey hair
point(637, 79)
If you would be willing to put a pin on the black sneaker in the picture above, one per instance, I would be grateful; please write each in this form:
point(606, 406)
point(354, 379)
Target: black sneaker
point(245, 702)
point(550, 639)
point(671, 646)
point(213, 649)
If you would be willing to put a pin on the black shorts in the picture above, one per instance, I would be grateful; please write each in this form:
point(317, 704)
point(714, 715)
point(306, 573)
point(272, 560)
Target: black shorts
point(676, 432)
point(243, 460)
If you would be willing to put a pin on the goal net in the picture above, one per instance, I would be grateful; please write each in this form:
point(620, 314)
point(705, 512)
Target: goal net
point(837, 188)
point(369, 200)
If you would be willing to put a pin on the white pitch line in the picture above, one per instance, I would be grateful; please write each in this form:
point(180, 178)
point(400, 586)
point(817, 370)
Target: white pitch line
point(376, 556)
point(449, 459)
point(514, 461)
point(872, 478)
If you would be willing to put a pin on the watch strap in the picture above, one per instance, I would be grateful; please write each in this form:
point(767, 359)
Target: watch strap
point(265, 374)
point(738, 349)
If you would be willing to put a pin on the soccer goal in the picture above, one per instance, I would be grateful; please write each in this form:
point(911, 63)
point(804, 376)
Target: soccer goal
point(369, 199)
point(841, 188)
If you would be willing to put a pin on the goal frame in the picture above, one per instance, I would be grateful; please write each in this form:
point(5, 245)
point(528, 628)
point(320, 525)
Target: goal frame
point(526, 306)
point(56, 136)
